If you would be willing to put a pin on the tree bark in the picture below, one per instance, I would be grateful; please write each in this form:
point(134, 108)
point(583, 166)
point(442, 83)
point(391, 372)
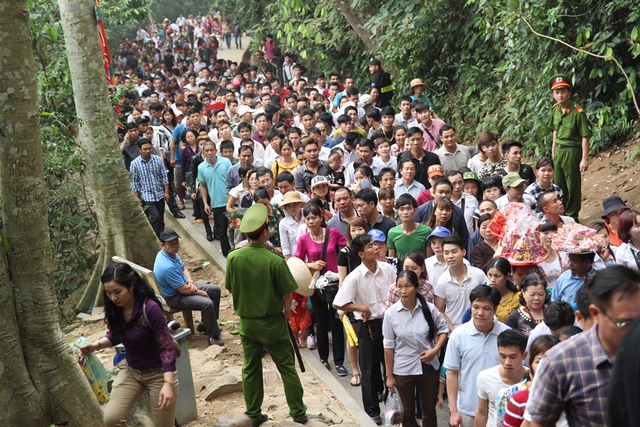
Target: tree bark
point(357, 20)
point(124, 229)
point(41, 381)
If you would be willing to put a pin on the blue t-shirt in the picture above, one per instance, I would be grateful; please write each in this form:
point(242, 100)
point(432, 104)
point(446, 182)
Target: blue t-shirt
point(169, 272)
point(177, 134)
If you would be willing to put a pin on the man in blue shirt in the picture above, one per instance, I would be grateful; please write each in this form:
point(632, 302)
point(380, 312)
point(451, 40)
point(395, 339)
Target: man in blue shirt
point(568, 283)
point(150, 184)
point(212, 174)
point(179, 290)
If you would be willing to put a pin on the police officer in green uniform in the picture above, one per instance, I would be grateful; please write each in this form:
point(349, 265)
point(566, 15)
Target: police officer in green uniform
point(261, 285)
point(570, 149)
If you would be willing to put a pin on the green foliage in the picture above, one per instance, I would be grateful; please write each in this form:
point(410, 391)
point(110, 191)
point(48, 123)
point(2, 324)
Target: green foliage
point(318, 33)
point(485, 68)
point(246, 14)
point(71, 222)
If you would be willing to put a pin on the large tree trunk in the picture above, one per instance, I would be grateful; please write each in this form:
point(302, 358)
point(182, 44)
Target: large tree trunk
point(41, 380)
point(357, 19)
point(124, 229)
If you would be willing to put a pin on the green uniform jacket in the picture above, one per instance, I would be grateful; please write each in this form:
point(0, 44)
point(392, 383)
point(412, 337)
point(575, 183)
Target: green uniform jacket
point(257, 279)
point(571, 125)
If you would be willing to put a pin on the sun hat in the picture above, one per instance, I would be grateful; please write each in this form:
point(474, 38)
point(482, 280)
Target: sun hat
point(291, 197)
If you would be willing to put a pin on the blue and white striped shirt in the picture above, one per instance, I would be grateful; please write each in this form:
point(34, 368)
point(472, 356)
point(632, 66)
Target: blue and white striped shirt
point(148, 178)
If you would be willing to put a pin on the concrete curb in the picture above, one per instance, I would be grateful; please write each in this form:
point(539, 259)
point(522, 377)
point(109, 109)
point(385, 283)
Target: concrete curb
point(196, 241)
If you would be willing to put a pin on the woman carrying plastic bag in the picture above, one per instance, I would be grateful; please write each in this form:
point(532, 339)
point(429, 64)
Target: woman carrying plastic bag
point(414, 332)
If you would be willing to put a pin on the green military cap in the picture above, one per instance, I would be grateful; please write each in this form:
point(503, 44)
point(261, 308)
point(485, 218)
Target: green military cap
point(511, 180)
point(560, 80)
point(254, 219)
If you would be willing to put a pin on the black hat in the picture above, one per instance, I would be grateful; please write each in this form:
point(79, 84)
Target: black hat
point(168, 235)
point(374, 61)
point(613, 203)
point(143, 119)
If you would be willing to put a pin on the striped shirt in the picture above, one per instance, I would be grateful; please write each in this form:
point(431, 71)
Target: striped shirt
point(148, 178)
point(574, 377)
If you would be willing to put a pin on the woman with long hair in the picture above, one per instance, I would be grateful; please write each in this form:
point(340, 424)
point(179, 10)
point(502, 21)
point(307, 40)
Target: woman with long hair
point(310, 249)
point(347, 262)
point(498, 271)
point(442, 215)
point(414, 332)
point(151, 355)
point(514, 415)
point(414, 261)
point(533, 291)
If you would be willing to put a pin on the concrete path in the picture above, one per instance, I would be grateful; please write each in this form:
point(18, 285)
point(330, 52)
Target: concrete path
point(193, 236)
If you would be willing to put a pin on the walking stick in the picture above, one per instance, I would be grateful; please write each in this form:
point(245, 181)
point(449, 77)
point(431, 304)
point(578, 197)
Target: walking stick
point(295, 348)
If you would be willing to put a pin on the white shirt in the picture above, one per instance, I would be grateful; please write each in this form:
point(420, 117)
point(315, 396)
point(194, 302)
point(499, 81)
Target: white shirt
point(503, 201)
point(626, 255)
point(362, 287)
point(490, 387)
point(349, 172)
point(288, 229)
point(470, 352)
point(475, 164)
point(470, 207)
point(406, 333)
point(456, 295)
point(349, 157)
point(435, 268)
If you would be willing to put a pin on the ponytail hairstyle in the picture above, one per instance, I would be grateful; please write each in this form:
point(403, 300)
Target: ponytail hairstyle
point(413, 279)
point(504, 267)
point(123, 275)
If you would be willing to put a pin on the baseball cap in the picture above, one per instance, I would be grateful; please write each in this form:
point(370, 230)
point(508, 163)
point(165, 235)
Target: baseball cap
point(365, 100)
point(377, 235)
point(318, 180)
point(374, 61)
point(435, 170)
point(440, 231)
point(512, 179)
point(244, 110)
point(168, 235)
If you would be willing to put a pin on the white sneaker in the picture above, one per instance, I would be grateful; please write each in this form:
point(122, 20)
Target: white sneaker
point(311, 342)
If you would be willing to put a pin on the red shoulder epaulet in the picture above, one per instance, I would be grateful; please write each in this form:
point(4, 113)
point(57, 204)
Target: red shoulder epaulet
point(578, 109)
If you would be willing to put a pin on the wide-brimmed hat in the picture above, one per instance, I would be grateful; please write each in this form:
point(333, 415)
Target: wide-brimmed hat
point(301, 274)
point(417, 82)
point(611, 204)
point(291, 197)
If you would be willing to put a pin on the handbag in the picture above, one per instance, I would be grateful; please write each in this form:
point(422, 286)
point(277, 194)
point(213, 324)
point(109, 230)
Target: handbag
point(318, 273)
point(176, 346)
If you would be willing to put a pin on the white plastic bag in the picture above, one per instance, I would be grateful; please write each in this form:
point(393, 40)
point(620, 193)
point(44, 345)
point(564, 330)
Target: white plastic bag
point(394, 411)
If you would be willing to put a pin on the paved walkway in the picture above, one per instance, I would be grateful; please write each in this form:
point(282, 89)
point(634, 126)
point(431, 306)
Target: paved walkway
point(350, 396)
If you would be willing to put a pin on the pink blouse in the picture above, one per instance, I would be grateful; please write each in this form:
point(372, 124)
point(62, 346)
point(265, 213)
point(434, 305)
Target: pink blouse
point(310, 251)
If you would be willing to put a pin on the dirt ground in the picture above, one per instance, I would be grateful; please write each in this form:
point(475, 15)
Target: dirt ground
point(209, 363)
point(610, 174)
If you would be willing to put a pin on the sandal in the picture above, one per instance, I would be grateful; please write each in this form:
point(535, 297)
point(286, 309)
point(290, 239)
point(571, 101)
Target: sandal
point(357, 382)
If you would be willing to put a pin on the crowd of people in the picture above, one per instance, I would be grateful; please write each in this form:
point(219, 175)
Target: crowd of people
point(373, 192)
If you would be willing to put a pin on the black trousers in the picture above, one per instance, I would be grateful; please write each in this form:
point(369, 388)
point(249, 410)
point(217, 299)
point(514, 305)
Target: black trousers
point(155, 214)
point(371, 358)
point(220, 225)
point(173, 205)
point(326, 321)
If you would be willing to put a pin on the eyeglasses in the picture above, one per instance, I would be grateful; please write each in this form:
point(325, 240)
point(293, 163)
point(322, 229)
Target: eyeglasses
point(620, 325)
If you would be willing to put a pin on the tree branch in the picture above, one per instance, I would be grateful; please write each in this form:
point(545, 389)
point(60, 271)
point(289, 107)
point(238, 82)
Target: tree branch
point(595, 55)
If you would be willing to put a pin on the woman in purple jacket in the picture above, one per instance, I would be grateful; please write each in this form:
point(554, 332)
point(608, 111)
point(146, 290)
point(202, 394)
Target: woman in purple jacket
point(151, 356)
